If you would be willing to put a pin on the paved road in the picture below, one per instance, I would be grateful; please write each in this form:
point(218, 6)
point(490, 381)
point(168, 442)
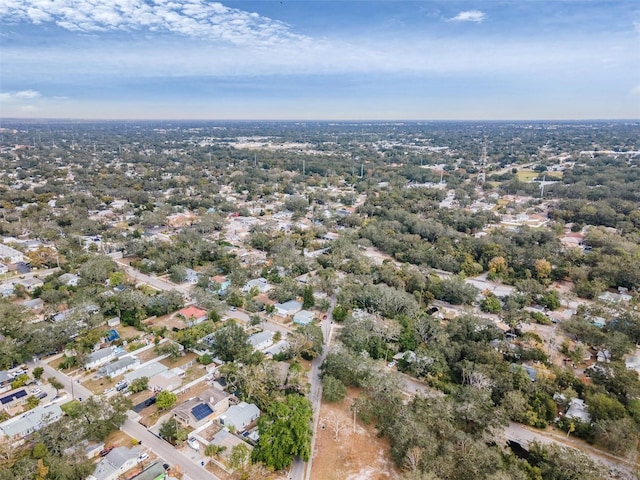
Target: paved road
point(301, 470)
point(152, 280)
point(165, 450)
point(524, 436)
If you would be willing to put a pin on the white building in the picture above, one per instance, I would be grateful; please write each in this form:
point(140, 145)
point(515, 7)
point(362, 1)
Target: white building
point(288, 308)
point(240, 416)
point(10, 255)
point(261, 340)
point(31, 421)
point(115, 463)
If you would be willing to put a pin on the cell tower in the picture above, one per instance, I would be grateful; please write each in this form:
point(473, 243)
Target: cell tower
point(483, 164)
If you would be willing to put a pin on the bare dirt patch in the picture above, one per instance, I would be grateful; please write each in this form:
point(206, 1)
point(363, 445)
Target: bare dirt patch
point(358, 455)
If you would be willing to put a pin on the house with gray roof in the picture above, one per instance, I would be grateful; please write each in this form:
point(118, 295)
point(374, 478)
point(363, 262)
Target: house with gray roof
point(288, 308)
point(29, 422)
point(260, 283)
point(115, 463)
point(240, 416)
point(102, 356)
point(149, 370)
point(303, 317)
point(119, 367)
point(261, 340)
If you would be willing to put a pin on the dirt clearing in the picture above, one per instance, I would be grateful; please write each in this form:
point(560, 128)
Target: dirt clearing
point(358, 455)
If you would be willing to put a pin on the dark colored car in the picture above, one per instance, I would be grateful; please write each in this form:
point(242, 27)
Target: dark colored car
point(105, 451)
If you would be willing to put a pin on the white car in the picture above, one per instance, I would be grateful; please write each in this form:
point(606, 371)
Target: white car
point(143, 457)
point(193, 443)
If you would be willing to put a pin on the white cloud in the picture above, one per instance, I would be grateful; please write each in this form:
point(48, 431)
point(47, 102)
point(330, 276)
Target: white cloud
point(19, 96)
point(469, 16)
point(191, 18)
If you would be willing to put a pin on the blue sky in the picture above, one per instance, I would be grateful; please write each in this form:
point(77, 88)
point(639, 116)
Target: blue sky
point(312, 59)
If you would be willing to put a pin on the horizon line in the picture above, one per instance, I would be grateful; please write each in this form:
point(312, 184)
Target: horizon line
point(396, 120)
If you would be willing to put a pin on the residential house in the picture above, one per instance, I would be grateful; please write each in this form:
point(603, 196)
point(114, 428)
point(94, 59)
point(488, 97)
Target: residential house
point(13, 398)
point(69, 279)
point(192, 315)
point(115, 463)
point(632, 362)
point(191, 276)
point(303, 317)
point(10, 255)
point(289, 308)
point(276, 348)
point(260, 283)
point(167, 380)
point(31, 421)
point(194, 413)
point(220, 283)
point(148, 370)
point(611, 297)
point(5, 379)
point(219, 400)
point(261, 340)
point(119, 367)
point(240, 416)
point(578, 409)
point(102, 356)
point(36, 304)
point(153, 472)
point(3, 268)
point(30, 284)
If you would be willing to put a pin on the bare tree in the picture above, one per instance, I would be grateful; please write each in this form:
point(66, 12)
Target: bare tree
point(412, 459)
point(336, 424)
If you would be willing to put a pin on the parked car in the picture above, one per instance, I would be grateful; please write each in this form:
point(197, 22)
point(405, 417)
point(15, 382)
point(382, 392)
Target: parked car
point(193, 443)
point(143, 457)
point(105, 451)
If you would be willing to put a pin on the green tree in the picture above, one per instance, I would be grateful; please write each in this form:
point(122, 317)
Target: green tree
point(32, 402)
point(55, 383)
point(285, 433)
point(333, 390)
point(340, 313)
point(239, 457)
point(139, 385)
point(307, 297)
point(165, 400)
point(490, 304)
point(19, 381)
point(37, 372)
point(173, 432)
point(231, 343)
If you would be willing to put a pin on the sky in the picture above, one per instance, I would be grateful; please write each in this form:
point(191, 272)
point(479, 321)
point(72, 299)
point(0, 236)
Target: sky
point(320, 60)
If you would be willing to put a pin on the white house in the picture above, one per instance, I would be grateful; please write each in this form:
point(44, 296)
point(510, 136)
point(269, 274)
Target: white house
point(239, 416)
point(100, 357)
point(29, 422)
point(578, 409)
point(261, 340)
point(303, 317)
point(115, 463)
point(119, 366)
point(69, 279)
point(10, 255)
point(260, 283)
point(288, 308)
